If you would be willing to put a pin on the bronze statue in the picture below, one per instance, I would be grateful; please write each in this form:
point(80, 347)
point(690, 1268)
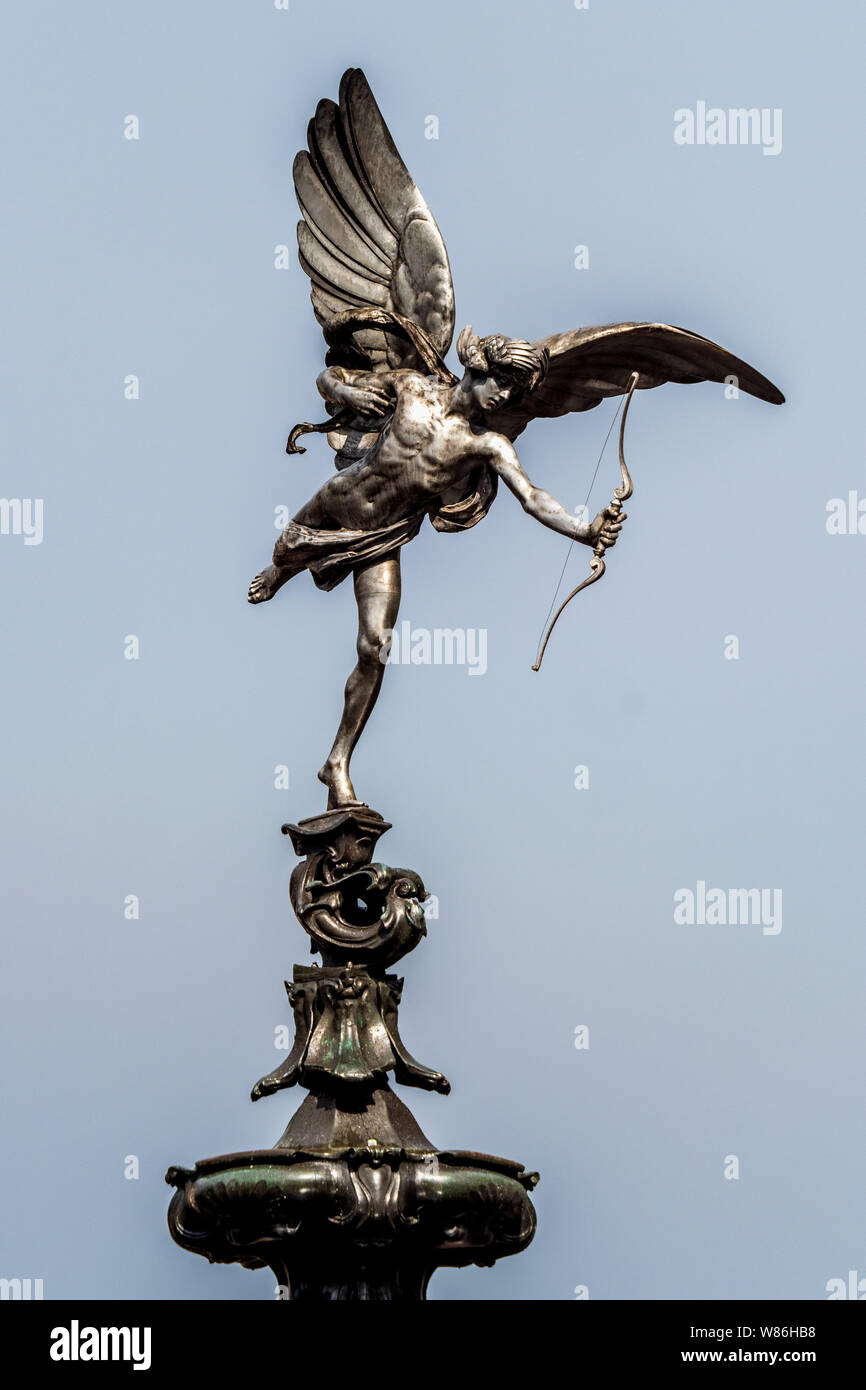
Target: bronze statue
point(411, 439)
point(354, 1202)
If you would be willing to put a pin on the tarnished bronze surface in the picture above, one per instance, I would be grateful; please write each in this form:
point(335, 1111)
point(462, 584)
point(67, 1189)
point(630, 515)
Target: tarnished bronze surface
point(411, 439)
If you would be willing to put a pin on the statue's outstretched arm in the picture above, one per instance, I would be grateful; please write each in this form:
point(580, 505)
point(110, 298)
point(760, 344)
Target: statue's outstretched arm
point(543, 506)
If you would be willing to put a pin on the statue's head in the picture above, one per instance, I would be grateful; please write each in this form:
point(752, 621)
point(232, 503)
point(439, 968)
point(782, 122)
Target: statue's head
point(498, 369)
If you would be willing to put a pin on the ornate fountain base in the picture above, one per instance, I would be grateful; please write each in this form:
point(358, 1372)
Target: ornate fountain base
point(353, 1202)
point(352, 1223)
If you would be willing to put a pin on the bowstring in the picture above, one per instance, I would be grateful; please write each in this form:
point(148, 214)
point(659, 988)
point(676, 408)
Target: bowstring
point(572, 542)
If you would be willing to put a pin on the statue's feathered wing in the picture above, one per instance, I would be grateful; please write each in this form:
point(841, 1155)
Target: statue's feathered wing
point(586, 366)
point(381, 282)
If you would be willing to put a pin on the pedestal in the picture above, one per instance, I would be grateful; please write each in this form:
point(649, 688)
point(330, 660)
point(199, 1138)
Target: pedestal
point(353, 1202)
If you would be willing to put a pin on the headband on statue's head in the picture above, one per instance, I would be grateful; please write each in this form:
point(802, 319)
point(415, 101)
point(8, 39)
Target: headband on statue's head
point(510, 357)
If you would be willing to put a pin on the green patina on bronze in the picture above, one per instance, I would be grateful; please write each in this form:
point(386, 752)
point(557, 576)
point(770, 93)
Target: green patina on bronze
point(353, 1202)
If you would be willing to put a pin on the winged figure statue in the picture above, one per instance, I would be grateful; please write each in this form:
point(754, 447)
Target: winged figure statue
point(412, 439)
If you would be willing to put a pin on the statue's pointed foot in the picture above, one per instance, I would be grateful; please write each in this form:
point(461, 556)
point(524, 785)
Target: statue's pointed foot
point(266, 584)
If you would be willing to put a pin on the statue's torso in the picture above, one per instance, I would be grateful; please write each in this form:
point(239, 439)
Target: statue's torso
point(423, 449)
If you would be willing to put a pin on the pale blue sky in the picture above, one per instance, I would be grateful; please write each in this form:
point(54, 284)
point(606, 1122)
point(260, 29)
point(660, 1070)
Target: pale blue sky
point(155, 777)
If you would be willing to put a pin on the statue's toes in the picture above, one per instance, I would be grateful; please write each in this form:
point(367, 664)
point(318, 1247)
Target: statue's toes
point(263, 586)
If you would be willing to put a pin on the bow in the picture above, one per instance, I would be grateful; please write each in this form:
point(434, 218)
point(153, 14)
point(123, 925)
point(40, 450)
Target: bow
point(597, 566)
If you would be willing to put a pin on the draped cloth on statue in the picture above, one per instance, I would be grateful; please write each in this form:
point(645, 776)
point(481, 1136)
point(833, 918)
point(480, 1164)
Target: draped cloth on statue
point(331, 555)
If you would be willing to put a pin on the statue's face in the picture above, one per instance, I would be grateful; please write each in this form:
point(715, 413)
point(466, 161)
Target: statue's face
point(488, 392)
point(348, 851)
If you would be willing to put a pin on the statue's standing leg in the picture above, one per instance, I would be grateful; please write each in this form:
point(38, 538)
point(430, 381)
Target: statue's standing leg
point(377, 593)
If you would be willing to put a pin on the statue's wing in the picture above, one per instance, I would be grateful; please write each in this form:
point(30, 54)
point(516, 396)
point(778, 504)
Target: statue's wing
point(368, 239)
point(590, 364)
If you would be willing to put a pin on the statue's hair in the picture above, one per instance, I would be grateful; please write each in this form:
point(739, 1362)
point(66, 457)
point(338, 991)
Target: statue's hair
point(513, 359)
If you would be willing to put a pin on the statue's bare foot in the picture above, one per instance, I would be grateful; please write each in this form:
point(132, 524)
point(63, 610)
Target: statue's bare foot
point(340, 790)
point(265, 585)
